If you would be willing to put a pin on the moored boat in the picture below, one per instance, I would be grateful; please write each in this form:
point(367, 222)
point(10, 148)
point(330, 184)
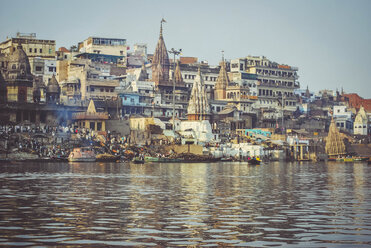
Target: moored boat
point(349, 159)
point(163, 159)
point(105, 157)
point(82, 154)
point(138, 160)
point(253, 161)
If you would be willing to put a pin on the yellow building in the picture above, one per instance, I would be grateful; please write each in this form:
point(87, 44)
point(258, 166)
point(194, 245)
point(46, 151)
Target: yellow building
point(33, 47)
point(91, 119)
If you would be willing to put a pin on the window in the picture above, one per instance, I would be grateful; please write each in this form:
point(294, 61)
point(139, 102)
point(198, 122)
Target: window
point(121, 52)
point(99, 126)
point(35, 50)
point(92, 89)
point(41, 50)
point(51, 69)
point(50, 51)
point(38, 68)
point(30, 50)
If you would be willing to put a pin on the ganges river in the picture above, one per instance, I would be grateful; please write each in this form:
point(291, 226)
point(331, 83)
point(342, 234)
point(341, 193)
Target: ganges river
point(180, 204)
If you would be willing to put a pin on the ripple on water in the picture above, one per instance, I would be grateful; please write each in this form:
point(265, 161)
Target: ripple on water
point(278, 204)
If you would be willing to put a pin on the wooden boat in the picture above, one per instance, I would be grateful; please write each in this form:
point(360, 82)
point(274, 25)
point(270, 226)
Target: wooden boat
point(162, 160)
point(138, 160)
point(82, 154)
point(253, 161)
point(229, 159)
point(349, 159)
point(105, 157)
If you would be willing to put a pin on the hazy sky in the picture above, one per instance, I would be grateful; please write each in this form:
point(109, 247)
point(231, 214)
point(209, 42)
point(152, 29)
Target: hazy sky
point(329, 40)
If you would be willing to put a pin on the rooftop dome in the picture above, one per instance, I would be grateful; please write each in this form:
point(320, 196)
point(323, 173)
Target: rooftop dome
point(53, 86)
point(19, 65)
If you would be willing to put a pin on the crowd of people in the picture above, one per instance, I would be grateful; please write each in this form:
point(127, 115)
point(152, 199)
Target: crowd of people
point(57, 142)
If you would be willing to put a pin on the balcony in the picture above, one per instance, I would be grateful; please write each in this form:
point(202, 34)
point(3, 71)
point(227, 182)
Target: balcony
point(90, 116)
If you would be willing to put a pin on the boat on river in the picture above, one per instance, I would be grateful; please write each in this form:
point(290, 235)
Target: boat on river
point(105, 157)
point(253, 161)
point(162, 159)
point(138, 160)
point(82, 154)
point(349, 159)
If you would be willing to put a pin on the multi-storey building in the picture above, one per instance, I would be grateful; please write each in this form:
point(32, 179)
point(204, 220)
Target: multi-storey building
point(40, 53)
point(87, 80)
point(109, 46)
point(108, 50)
point(276, 82)
point(32, 47)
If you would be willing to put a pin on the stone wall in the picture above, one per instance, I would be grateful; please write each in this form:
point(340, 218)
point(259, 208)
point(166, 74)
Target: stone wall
point(118, 126)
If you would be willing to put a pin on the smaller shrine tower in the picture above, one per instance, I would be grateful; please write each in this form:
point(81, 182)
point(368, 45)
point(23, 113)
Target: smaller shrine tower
point(198, 106)
point(222, 82)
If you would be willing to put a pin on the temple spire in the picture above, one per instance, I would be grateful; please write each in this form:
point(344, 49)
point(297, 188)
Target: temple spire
point(222, 81)
point(334, 142)
point(160, 63)
point(143, 73)
point(198, 106)
point(162, 20)
point(178, 74)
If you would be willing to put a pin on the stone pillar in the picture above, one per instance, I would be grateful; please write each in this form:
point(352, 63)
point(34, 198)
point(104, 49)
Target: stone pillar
point(301, 151)
point(37, 117)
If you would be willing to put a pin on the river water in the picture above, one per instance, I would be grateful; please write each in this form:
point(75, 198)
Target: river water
point(208, 204)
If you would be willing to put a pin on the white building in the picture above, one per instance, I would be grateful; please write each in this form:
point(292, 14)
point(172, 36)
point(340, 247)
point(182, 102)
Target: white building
point(361, 122)
point(343, 118)
point(276, 82)
point(199, 132)
point(108, 46)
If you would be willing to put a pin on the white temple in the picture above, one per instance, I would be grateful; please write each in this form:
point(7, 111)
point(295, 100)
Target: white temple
point(361, 122)
point(197, 128)
point(198, 106)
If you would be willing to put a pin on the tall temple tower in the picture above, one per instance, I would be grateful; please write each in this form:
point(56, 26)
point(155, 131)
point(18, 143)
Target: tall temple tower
point(334, 142)
point(198, 106)
point(19, 78)
point(221, 83)
point(160, 62)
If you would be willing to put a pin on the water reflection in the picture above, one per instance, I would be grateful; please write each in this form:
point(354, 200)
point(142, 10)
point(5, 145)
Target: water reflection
point(113, 204)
